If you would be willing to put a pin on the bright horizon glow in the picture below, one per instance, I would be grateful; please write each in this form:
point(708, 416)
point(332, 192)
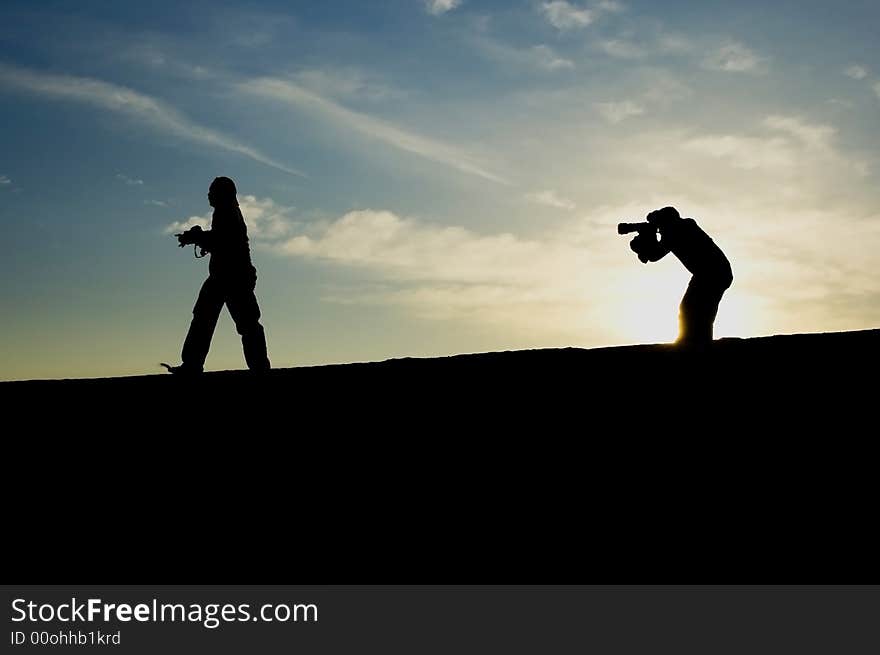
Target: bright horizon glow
point(430, 178)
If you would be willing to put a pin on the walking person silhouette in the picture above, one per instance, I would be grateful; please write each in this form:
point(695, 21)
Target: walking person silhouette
point(232, 279)
point(712, 274)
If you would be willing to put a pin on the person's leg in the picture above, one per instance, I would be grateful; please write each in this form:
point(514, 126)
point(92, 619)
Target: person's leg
point(695, 322)
point(201, 329)
point(699, 307)
point(245, 312)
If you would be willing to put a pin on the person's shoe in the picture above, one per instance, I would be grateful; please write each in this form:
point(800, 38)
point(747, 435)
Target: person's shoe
point(182, 370)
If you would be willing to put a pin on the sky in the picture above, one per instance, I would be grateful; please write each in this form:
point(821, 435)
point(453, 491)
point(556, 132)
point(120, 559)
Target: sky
point(429, 177)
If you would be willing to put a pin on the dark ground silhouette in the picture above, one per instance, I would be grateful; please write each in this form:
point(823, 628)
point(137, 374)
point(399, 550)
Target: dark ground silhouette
point(711, 271)
point(752, 463)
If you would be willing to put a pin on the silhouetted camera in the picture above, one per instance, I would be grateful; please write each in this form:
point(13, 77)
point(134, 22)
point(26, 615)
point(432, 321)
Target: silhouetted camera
point(644, 241)
point(629, 228)
point(191, 236)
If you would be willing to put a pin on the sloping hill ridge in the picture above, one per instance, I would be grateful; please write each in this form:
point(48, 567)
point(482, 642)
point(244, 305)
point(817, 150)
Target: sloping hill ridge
point(735, 378)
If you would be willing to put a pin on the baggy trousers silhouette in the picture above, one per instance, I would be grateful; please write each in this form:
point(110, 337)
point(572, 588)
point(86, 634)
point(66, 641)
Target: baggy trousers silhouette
point(698, 309)
point(237, 293)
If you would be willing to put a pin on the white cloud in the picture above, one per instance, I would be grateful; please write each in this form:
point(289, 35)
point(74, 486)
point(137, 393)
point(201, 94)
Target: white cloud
point(541, 57)
point(673, 43)
point(432, 149)
point(4, 180)
point(414, 249)
point(611, 6)
point(133, 104)
point(856, 72)
point(565, 16)
point(811, 135)
point(658, 43)
point(733, 57)
point(745, 152)
point(838, 102)
point(792, 145)
point(438, 7)
point(438, 272)
point(551, 199)
point(622, 49)
point(130, 181)
point(545, 58)
point(149, 55)
point(663, 88)
point(252, 39)
point(265, 219)
point(615, 112)
point(347, 83)
point(877, 89)
point(156, 203)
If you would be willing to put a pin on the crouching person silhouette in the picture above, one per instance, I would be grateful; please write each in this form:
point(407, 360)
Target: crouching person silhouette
point(231, 281)
point(712, 274)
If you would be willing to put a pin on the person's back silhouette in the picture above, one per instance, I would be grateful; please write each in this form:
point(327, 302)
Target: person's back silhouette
point(232, 279)
point(712, 274)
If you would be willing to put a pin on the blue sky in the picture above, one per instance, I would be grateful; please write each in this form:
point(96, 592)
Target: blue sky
point(426, 178)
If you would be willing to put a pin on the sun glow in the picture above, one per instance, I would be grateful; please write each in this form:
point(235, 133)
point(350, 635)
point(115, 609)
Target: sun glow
point(645, 307)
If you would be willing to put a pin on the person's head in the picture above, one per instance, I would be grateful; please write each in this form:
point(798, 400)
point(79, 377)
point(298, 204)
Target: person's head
point(222, 192)
point(663, 217)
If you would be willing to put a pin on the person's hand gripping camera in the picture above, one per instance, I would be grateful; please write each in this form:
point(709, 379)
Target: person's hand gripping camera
point(193, 237)
point(644, 243)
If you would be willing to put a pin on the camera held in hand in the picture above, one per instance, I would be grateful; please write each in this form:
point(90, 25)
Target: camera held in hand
point(193, 236)
point(644, 241)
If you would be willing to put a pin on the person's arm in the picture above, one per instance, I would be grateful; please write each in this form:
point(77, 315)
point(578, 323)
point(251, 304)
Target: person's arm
point(657, 251)
point(206, 240)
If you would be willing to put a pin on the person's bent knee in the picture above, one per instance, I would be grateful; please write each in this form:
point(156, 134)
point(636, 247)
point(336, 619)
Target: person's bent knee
point(249, 329)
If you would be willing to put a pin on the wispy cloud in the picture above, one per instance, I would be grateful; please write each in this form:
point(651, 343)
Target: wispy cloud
point(670, 43)
point(810, 134)
point(839, 102)
point(611, 6)
point(856, 72)
point(622, 49)
point(615, 112)
point(745, 152)
point(733, 57)
point(135, 105)
point(789, 144)
point(544, 57)
point(149, 55)
point(156, 203)
point(566, 16)
point(4, 180)
point(439, 7)
point(539, 57)
point(550, 198)
point(426, 147)
point(346, 83)
point(129, 181)
point(877, 89)
point(655, 42)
